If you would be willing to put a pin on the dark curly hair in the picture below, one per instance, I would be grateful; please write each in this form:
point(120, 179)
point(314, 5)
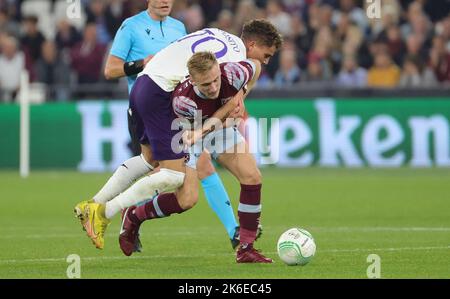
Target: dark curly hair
point(263, 32)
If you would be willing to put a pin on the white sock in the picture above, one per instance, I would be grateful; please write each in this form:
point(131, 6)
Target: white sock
point(147, 187)
point(131, 170)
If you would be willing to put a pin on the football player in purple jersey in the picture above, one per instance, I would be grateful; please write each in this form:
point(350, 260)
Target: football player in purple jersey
point(151, 106)
point(211, 94)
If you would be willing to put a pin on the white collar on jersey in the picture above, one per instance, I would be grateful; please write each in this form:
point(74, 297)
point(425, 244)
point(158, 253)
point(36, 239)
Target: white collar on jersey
point(197, 92)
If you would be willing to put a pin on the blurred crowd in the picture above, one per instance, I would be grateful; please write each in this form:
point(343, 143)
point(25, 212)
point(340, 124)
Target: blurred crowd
point(326, 41)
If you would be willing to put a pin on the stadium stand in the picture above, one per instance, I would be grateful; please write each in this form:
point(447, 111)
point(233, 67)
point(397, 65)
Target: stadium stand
point(331, 46)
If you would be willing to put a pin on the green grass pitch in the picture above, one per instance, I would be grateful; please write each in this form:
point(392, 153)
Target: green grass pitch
point(402, 215)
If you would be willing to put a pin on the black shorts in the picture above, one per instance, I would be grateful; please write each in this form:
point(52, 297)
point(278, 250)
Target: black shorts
point(134, 145)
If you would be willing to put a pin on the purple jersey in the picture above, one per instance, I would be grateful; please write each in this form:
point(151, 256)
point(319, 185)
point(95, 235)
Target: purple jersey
point(187, 101)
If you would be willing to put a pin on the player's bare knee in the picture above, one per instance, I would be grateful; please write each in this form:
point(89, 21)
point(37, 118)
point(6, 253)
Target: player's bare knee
point(188, 204)
point(205, 172)
point(187, 195)
point(205, 168)
point(187, 200)
point(252, 178)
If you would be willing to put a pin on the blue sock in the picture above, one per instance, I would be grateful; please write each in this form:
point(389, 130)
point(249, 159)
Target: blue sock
point(218, 200)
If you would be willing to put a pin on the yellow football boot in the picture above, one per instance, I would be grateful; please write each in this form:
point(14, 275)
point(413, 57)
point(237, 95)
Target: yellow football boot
point(95, 223)
point(79, 210)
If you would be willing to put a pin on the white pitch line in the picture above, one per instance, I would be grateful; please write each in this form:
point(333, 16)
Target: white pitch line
point(76, 235)
point(96, 258)
point(165, 232)
point(379, 229)
point(387, 249)
point(272, 228)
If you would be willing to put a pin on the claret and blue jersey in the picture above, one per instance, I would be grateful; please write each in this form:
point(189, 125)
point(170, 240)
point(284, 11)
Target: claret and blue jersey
point(141, 36)
point(187, 101)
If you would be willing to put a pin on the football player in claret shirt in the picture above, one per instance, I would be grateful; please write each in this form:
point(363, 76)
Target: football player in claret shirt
point(212, 90)
point(151, 107)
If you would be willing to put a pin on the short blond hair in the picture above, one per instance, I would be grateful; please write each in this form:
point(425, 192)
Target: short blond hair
point(201, 62)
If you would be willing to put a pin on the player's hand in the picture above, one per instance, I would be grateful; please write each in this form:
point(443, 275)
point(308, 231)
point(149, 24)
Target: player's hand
point(238, 112)
point(186, 137)
point(191, 137)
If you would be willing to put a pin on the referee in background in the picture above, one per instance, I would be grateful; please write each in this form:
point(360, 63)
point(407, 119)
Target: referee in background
point(137, 40)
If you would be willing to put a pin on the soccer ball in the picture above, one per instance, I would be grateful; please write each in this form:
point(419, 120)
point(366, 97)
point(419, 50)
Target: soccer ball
point(296, 246)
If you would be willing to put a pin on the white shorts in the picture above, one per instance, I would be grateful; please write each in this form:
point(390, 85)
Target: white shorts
point(216, 143)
